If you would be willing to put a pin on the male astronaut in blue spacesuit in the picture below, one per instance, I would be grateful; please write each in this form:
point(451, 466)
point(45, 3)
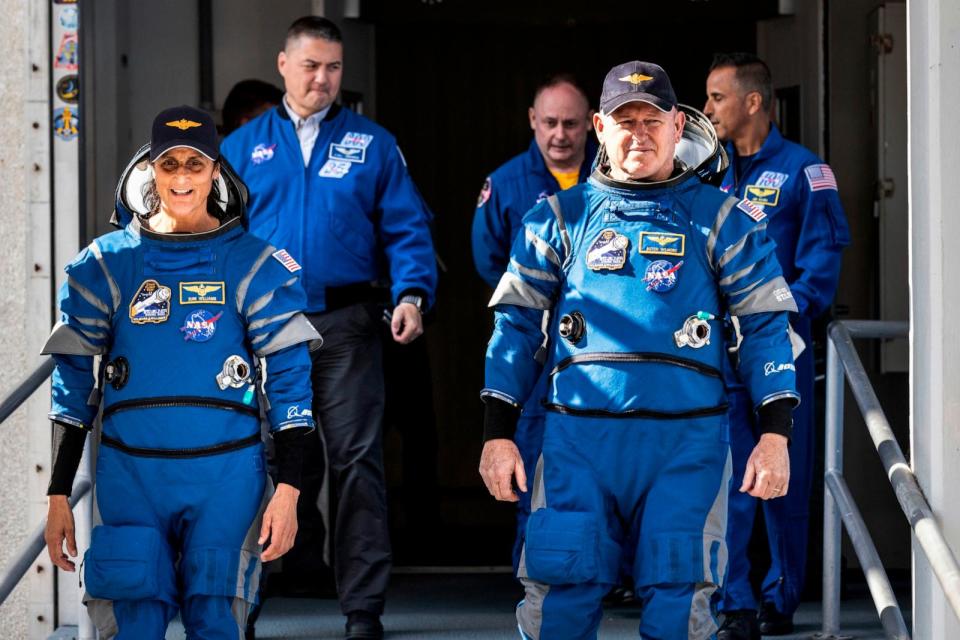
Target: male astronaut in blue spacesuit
point(183, 327)
point(798, 193)
point(560, 156)
point(638, 267)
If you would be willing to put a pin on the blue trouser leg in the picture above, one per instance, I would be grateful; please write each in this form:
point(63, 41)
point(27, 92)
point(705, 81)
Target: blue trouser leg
point(213, 618)
point(207, 512)
point(669, 608)
point(141, 619)
point(737, 590)
point(604, 483)
point(788, 518)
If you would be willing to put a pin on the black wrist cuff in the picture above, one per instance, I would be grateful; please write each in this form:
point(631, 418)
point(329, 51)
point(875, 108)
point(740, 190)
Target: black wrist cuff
point(499, 419)
point(67, 451)
point(288, 447)
point(777, 417)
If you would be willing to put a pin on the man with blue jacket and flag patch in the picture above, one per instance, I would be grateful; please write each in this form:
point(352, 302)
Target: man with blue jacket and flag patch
point(333, 188)
point(798, 194)
point(560, 156)
point(638, 267)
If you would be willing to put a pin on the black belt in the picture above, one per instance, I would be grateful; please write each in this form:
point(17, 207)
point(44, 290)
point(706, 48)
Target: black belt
point(358, 293)
point(638, 413)
point(193, 452)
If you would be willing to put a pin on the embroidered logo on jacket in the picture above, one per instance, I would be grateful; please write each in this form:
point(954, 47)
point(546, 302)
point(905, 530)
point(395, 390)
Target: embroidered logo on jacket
point(820, 177)
point(286, 260)
point(347, 153)
point(202, 292)
point(485, 192)
point(608, 251)
point(752, 210)
point(765, 196)
point(151, 303)
point(661, 275)
point(262, 153)
point(335, 169)
point(772, 179)
point(663, 244)
point(200, 325)
point(354, 139)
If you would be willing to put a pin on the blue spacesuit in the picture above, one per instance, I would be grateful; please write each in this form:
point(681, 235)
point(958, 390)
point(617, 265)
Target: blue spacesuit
point(799, 195)
point(637, 277)
point(507, 194)
point(184, 339)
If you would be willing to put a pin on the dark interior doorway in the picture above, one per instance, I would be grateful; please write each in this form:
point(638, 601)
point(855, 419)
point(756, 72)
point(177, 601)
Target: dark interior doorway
point(454, 80)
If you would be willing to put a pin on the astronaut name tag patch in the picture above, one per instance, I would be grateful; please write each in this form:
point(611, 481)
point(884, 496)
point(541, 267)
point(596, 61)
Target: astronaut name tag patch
point(335, 169)
point(200, 325)
point(661, 275)
point(662, 244)
point(348, 154)
point(287, 260)
point(608, 251)
point(151, 303)
point(752, 210)
point(202, 292)
point(766, 196)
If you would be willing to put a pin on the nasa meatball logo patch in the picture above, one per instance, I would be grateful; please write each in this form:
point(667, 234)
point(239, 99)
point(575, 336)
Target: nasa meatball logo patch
point(608, 251)
point(200, 325)
point(661, 275)
point(151, 303)
point(262, 153)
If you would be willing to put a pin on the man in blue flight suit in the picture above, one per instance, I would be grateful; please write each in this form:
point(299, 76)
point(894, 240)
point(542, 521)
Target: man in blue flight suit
point(798, 193)
point(333, 188)
point(637, 266)
point(185, 326)
point(559, 157)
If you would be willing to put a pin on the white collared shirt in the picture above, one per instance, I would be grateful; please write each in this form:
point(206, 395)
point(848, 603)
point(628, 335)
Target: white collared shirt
point(307, 129)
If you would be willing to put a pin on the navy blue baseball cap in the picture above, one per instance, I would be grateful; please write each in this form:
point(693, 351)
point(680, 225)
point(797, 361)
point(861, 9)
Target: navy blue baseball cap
point(184, 126)
point(637, 81)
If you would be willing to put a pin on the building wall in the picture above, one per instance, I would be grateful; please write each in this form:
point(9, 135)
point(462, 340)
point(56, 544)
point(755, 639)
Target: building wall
point(24, 301)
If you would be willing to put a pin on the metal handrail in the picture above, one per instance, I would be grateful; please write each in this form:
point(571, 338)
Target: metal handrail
point(34, 546)
point(26, 388)
point(844, 362)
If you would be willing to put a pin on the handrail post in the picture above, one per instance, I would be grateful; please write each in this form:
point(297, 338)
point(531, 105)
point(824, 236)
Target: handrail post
point(84, 524)
point(833, 462)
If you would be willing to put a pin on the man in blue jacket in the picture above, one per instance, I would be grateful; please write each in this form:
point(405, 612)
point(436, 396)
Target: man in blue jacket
point(637, 267)
point(560, 156)
point(333, 188)
point(798, 193)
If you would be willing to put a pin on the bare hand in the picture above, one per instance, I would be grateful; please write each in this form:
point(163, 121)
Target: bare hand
point(279, 522)
point(60, 527)
point(499, 462)
point(768, 470)
point(407, 323)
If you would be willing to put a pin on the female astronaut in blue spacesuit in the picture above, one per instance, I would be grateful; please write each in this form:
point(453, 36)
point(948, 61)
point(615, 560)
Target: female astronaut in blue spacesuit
point(184, 328)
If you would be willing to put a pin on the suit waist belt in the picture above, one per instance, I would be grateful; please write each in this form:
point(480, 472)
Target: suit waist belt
point(191, 452)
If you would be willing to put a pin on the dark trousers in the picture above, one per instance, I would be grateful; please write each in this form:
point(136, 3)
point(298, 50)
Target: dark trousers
point(348, 399)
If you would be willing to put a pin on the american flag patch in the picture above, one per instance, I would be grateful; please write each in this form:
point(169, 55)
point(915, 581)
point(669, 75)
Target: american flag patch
point(820, 177)
point(286, 260)
point(752, 210)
